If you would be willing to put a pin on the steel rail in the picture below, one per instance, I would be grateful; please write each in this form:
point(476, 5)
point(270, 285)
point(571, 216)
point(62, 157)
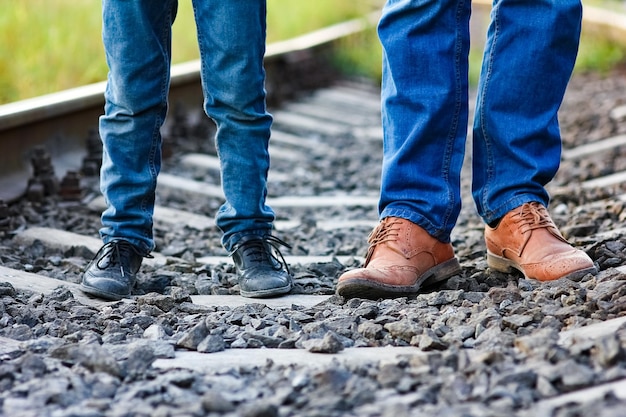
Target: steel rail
point(60, 122)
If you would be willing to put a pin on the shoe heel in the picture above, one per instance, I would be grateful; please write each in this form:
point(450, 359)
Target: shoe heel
point(442, 272)
point(499, 263)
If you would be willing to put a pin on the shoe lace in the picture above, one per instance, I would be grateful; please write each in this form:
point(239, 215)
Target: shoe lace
point(533, 216)
point(386, 231)
point(113, 252)
point(256, 251)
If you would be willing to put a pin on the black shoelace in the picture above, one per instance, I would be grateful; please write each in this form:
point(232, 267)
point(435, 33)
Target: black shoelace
point(113, 253)
point(257, 252)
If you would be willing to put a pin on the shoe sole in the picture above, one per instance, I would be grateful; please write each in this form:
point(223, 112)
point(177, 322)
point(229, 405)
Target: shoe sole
point(365, 288)
point(271, 292)
point(101, 294)
point(505, 265)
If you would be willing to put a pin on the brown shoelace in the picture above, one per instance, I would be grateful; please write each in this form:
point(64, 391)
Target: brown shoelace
point(533, 216)
point(387, 231)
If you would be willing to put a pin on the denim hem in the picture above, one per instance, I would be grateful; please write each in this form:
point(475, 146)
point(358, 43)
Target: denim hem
point(513, 203)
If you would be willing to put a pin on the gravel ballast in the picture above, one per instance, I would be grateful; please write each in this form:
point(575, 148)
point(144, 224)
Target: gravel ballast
point(482, 343)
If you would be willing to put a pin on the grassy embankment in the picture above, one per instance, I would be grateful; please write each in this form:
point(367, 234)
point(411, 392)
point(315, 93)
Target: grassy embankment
point(51, 45)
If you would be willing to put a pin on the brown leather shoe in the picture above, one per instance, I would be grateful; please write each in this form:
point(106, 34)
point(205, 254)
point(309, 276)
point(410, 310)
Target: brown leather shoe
point(402, 257)
point(527, 239)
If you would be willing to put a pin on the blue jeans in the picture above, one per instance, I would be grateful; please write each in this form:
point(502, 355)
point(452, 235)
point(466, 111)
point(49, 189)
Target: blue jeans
point(137, 41)
point(528, 59)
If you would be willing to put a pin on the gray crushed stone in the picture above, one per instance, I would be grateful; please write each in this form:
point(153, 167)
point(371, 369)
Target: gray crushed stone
point(490, 340)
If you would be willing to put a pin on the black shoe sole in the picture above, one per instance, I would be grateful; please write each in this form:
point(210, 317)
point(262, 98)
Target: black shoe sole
point(270, 292)
point(102, 294)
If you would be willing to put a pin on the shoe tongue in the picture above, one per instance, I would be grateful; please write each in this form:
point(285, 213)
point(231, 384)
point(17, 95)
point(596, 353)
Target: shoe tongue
point(124, 250)
point(119, 251)
point(256, 251)
point(535, 216)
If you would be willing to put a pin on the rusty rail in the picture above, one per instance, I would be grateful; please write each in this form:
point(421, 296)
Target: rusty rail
point(61, 122)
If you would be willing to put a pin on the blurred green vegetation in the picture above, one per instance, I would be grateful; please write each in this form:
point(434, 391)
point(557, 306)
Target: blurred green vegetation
point(48, 46)
point(596, 53)
point(614, 5)
point(52, 45)
point(361, 55)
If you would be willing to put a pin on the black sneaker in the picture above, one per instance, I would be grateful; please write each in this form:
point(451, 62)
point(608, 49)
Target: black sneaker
point(111, 274)
point(262, 269)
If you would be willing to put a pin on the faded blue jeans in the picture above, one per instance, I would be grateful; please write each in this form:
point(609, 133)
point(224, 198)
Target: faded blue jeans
point(530, 52)
point(137, 41)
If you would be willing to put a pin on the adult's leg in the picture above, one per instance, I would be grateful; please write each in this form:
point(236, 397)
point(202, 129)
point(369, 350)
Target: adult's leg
point(529, 56)
point(424, 109)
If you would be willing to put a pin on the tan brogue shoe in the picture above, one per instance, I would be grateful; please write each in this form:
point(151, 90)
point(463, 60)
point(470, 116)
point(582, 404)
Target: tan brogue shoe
point(402, 257)
point(528, 240)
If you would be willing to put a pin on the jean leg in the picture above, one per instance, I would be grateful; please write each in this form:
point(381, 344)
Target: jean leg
point(231, 35)
point(529, 56)
point(136, 36)
point(424, 110)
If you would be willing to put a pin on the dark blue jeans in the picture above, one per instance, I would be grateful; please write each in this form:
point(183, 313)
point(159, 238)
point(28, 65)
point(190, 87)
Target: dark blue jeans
point(529, 56)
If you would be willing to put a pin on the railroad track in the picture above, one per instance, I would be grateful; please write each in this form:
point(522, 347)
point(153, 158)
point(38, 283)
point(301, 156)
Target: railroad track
point(331, 129)
point(300, 141)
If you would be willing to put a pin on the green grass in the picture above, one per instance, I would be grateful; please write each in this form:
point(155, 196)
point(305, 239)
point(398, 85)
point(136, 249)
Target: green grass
point(52, 45)
point(596, 54)
point(614, 5)
point(48, 46)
